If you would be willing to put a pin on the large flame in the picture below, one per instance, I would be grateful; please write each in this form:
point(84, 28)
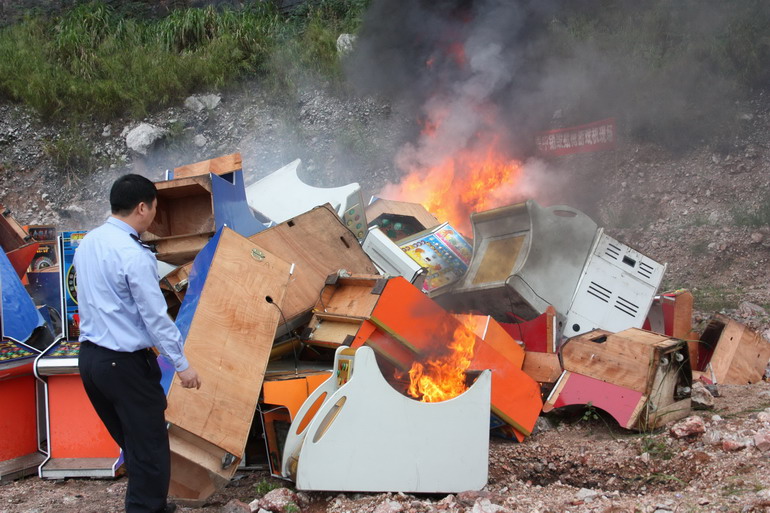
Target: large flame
point(461, 180)
point(441, 378)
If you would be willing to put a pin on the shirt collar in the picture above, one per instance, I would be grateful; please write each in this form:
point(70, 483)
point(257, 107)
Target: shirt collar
point(122, 225)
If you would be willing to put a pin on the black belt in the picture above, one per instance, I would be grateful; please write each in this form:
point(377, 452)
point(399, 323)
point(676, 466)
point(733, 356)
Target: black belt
point(97, 346)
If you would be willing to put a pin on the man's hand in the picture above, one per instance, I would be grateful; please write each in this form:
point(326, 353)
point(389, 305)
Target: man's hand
point(189, 378)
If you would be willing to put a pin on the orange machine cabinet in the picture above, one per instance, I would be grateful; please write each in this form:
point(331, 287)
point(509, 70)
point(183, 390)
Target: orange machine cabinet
point(19, 454)
point(78, 443)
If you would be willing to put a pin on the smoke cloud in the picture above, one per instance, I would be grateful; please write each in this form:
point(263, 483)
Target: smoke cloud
point(470, 69)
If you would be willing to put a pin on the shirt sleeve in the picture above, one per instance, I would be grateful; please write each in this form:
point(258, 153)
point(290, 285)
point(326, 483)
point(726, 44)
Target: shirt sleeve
point(141, 274)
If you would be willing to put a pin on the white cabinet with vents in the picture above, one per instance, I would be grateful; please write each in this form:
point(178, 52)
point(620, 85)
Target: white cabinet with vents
point(615, 290)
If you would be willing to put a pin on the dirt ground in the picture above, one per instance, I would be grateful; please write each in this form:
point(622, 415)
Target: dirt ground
point(578, 463)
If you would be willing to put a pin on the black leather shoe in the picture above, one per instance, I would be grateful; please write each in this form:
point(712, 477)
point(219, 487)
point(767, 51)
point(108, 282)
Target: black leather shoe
point(170, 507)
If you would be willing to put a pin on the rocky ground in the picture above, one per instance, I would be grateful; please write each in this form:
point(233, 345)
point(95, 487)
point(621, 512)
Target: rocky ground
point(699, 210)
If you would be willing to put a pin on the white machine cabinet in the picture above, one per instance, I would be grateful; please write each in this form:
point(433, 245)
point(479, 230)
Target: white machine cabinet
point(615, 290)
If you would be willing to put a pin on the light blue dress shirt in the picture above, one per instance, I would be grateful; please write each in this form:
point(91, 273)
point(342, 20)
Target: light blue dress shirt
point(120, 303)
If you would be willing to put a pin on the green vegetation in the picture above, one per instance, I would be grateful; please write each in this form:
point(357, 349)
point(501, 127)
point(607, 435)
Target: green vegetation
point(71, 153)
point(656, 447)
point(92, 61)
point(710, 298)
point(753, 218)
point(265, 486)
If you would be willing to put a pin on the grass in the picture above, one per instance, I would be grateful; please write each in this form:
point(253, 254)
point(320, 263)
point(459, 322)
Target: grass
point(263, 487)
point(753, 218)
point(92, 61)
point(72, 153)
point(712, 298)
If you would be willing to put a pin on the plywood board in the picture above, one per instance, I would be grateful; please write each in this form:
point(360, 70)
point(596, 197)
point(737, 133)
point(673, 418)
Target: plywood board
point(181, 249)
point(318, 244)
point(741, 354)
point(542, 367)
point(218, 166)
point(625, 358)
point(229, 343)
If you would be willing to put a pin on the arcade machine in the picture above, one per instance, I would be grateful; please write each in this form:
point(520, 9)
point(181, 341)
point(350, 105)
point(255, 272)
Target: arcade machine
point(19, 454)
point(282, 195)
point(78, 443)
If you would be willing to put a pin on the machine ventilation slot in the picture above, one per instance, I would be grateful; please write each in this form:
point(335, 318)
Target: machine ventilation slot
point(599, 292)
point(626, 306)
point(629, 261)
point(612, 251)
point(646, 270)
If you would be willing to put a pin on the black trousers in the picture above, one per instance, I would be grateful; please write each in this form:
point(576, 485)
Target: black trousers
point(125, 391)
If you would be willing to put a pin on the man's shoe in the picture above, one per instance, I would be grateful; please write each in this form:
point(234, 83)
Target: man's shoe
point(170, 507)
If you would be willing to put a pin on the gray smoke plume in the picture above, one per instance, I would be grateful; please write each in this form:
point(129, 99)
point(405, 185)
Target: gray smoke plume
point(469, 69)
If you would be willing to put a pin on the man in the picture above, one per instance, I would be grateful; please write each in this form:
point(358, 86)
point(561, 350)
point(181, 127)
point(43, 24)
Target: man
point(122, 316)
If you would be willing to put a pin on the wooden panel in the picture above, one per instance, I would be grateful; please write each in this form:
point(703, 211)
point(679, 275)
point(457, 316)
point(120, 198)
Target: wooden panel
point(181, 249)
point(542, 367)
point(626, 359)
point(741, 354)
point(622, 403)
point(415, 210)
point(352, 298)
point(229, 343)
point(318, 244)
point(12, 235)
point(218, 166)
point(333, 332)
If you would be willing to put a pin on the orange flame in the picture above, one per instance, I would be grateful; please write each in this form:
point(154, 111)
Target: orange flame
point(442, 378)
point(470, 180)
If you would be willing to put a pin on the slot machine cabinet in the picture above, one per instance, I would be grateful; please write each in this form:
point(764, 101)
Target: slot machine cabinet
point(283, 393)
point(196, 202)
point(20, 454)
point(78, 443)
point(381, 440)
point(282, 195)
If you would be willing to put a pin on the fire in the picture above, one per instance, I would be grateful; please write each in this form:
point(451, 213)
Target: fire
point(442, 378)
point(470, 180)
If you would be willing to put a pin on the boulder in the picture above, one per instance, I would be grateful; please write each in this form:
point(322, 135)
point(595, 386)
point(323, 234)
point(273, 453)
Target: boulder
point(143, 137)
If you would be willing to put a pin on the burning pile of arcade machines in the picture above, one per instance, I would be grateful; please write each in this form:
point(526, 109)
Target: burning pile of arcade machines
point(373, 336)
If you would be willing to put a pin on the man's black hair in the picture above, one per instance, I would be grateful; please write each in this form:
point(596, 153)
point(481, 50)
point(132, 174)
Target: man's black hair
point(130, 190)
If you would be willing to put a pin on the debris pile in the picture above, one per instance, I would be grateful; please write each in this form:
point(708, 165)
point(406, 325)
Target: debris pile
point(328, 330)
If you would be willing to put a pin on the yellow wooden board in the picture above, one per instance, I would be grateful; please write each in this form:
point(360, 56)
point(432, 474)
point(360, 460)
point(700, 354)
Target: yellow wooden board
point(218, 166)
point(542, 367)
point(229, 343)
point(626, 358)
point(318, 244)
point(741, 354)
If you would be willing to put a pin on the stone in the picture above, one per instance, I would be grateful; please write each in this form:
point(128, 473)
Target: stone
point(757, 237)
point(689, 427)
point(389, 506)
point(749, 309)
point(763, 416)
point(194, 104)
point(236, 506)
point(586, 494)
point(107, 131)
point(730, 445)
point(486, 506)
point(762, 440)
point(468, 498)
point(143, 137)
point(345, 43)
point(210, 101)
point(200, 140)
point(278, 500)
point(701, 397)
point(542, 425)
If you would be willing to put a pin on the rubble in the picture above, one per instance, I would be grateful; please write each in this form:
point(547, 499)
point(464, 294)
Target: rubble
point(689, 427)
